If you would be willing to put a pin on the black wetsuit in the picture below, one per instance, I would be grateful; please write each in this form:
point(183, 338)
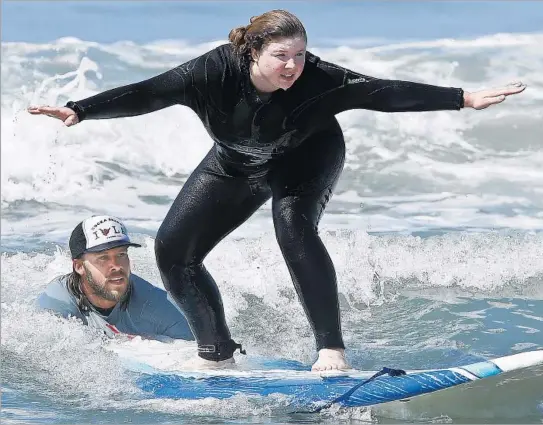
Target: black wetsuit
point(288, 146)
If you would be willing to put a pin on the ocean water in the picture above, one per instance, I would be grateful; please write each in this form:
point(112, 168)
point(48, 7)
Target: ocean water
point(435, 228)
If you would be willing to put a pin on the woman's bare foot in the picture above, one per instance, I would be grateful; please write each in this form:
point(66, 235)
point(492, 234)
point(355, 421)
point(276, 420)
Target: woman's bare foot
point(331, 359)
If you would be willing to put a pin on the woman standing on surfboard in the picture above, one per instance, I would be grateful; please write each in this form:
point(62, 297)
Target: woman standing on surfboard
point(270, 106)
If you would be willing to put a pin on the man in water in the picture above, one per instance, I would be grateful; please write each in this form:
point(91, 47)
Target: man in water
point(102, 291)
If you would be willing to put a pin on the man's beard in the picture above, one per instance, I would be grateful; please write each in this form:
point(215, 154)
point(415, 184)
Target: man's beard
point(101, 291)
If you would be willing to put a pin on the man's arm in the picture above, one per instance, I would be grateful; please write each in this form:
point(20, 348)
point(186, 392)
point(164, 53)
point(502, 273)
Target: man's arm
point(158, 311)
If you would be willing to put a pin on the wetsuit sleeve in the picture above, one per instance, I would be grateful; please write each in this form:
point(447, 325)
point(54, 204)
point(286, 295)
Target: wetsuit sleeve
point(341, 89)
point(188, 84)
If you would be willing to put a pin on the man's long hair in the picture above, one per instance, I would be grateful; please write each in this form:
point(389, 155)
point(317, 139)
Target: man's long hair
point(73, 283)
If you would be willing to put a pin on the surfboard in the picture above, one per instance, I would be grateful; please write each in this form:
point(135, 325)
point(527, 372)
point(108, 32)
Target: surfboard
point(311, 392)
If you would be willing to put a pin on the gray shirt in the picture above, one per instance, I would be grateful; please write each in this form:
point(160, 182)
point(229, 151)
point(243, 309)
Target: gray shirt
point(149, 311)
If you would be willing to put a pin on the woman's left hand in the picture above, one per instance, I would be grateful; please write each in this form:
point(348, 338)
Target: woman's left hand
point(484, 98)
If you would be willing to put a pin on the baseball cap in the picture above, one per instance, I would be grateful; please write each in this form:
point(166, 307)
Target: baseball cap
point(98, 233)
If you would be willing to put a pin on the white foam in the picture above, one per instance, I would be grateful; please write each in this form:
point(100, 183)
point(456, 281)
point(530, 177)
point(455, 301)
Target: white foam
point(262, 309)
point(489, 158)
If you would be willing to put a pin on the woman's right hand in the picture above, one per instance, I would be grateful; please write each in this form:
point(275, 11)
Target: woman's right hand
point(63, 113)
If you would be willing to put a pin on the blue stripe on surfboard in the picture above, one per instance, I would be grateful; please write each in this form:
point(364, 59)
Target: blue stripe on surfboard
point(401, 387)
point(221, 387)
point(304, 391)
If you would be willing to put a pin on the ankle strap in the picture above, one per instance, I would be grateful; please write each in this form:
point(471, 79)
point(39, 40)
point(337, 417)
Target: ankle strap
point(220, 350)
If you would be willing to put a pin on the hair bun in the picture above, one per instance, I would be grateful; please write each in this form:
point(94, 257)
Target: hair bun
point(237, 36)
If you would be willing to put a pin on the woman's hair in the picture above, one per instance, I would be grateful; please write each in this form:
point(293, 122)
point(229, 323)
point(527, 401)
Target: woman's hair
point(263, 29)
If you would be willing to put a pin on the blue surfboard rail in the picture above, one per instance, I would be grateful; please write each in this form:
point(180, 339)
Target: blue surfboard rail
point(310, 392)
point(305, 392)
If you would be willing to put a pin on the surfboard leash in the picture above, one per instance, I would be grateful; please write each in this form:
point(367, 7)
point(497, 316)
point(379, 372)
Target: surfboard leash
point(383, 371)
